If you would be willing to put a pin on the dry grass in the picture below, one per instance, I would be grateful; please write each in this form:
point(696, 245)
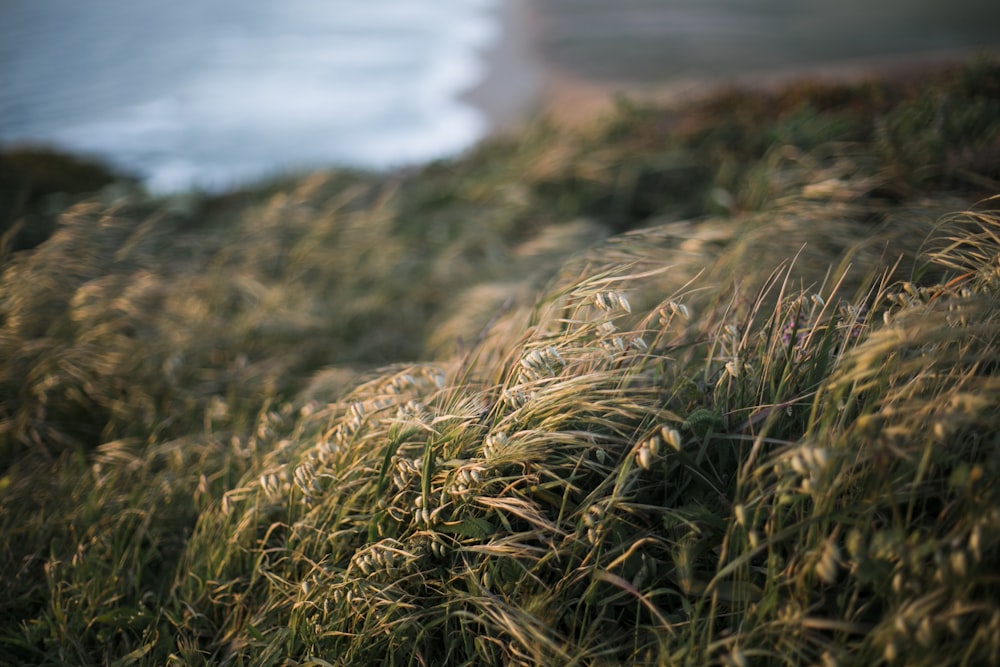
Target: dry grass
point(765, 436)
point(634, 487)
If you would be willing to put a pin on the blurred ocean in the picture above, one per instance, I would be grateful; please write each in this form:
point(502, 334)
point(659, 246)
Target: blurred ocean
point(187, 93)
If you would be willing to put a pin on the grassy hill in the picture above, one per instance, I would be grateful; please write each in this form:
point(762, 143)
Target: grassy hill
point(703, 385)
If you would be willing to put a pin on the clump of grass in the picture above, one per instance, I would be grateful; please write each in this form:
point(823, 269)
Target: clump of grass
point(727, 153)
point(802, 482)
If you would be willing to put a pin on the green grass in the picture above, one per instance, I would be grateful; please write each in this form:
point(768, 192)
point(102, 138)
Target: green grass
point(714, 385)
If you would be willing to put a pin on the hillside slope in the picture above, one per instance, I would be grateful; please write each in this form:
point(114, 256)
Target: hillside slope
point(709, 385)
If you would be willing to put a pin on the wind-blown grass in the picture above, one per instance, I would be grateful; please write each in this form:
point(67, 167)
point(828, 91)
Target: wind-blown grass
point(806, 483)
point(767, 436)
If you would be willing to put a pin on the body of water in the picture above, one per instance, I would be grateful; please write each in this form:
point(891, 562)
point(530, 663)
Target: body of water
point(187, 93)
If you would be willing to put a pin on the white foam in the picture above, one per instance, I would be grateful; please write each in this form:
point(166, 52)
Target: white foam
point(303, 83)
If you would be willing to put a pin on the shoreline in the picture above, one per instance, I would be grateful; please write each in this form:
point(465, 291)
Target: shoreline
point(575, 101)
point(523, 84)
point(510, 92)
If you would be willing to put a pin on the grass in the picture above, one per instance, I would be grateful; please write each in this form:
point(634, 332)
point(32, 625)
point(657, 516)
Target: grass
point(712, 385)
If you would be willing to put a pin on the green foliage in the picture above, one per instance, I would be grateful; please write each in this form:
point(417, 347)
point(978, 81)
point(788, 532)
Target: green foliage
point(765, 436)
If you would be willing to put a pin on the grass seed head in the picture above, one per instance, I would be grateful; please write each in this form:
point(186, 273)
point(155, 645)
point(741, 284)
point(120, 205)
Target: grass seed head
point(644, 457)
point(671, 436)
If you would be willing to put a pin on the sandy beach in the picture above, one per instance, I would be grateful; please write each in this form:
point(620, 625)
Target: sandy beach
point(568, 60)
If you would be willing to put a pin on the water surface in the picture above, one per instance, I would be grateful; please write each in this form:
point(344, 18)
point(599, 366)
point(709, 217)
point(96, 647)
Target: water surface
point(211, 94)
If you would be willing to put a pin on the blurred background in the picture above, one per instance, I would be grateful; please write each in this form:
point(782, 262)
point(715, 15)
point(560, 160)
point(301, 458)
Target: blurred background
point(189, 94)
point(653, 40)
point(211, 94)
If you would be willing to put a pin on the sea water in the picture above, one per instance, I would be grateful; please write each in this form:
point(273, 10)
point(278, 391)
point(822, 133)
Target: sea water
point(210, 95)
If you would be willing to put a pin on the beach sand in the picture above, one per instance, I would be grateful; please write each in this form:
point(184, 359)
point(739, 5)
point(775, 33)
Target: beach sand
point(569, 60)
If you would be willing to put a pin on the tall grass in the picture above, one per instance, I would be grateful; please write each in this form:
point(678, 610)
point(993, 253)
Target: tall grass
point(762, 436)
point(803, 483)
